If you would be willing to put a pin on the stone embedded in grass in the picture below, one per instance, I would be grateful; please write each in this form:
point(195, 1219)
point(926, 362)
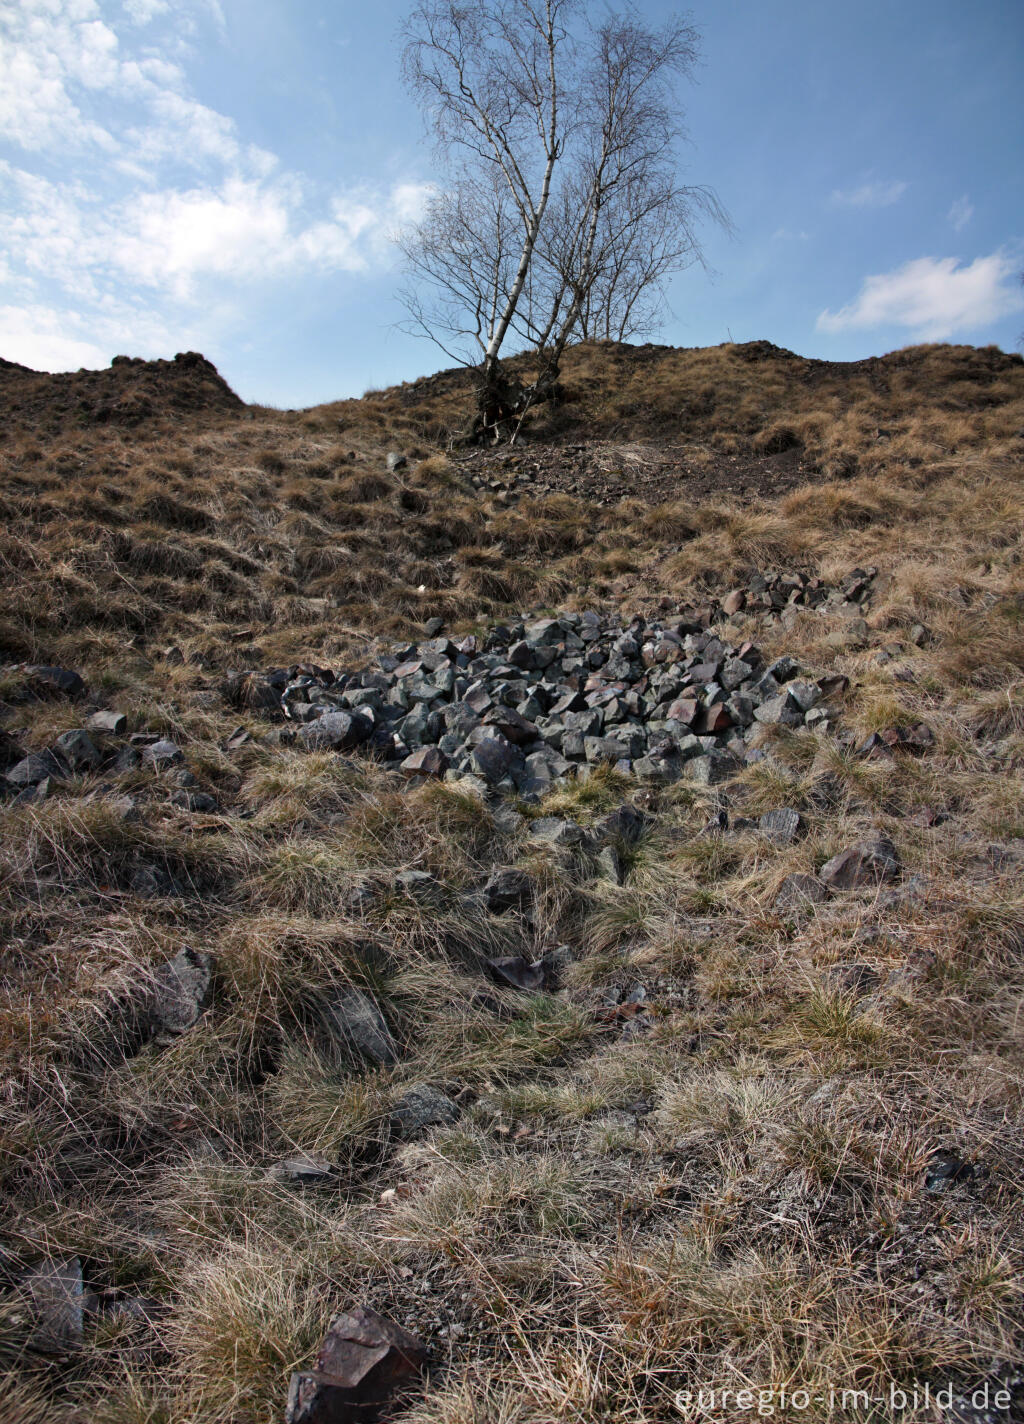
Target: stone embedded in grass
point(417, 884)
point(800, 890)
point(54, 1290)
point(37, 767)
point(107, 721)
point(946, 1169)
point(303, 1169)
point(181, 991)
point(355, 1019)
point(365, 1365)
point(421, 1107)
point(611, 865)
point(162, 754)
point(782, 826)
point(47, 681)
point(626, 823)
point(868, 862)
point(507, 889)
point(553, 831)
point(201, 802)
point(518, 972)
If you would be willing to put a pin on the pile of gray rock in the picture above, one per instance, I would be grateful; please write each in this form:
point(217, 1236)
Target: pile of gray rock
point(774, 591)
point(530, 705)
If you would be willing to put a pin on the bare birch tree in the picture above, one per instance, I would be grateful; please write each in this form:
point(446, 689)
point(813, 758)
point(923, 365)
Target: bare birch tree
point(563, 216)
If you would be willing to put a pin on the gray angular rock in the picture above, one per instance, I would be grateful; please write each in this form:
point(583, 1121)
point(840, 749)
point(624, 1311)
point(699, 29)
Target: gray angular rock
point(800, 890)
point(782, 826)
point(507, 889)
point(493, 758)
point(54, 1290)
point(610, 865)
point(110, 722)
point(36, 768)
point(867, 862)
point(711, 768)
point(626, 823)
point(162, 754)
point(553, 831)
point(334, 731)
point(428, 761)
point(355, 1019)
point(181, 990)
point(421, 1107)
point(781, 710)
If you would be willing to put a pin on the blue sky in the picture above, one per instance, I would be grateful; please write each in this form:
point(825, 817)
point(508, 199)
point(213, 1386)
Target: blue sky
point(226, 176)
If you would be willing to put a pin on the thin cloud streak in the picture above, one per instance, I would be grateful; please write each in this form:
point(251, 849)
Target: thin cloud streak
point(869, 195)
point(934, 298)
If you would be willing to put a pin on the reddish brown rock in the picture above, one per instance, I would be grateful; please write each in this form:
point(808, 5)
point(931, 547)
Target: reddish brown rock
point(428, 761)
point(868, 862)
point(366, 1363)
point(734, 602)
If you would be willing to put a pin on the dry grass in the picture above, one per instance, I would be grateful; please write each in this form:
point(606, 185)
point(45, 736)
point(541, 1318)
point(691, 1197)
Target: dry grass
point(726, 1190)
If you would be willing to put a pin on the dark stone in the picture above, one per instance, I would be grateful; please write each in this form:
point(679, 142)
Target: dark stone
point(46, 681)
point(35, 768)
point(421, 1107)
point(868, 862)
point(181, 991)
point(799, 890)
point(946, 1169)
point(54, 1290)
point(550, 830)
point(357, 1022)
point(507, 889)
point(494, 758)
point(428, 761)
point(199, 802)
point(78, 750)
point(162, 754)
point(334, 731)
point(365, 1365)
point(626, 823)
point(518, 972)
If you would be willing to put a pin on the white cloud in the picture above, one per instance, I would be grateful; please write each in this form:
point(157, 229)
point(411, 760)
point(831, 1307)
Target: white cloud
point(171, 240)
point(870, 195)
point(137, 251)
point(142, 11)
point(961, 213)
point(37, 336)
point(933, 297)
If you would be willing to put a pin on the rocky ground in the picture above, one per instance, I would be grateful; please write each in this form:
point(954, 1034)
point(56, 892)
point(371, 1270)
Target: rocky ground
point(536, 1011)
point(605, 472)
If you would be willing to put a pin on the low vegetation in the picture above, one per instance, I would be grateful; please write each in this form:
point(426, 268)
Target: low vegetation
point(744, 1141)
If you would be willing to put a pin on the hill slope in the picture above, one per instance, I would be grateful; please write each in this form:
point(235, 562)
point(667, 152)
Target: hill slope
point(687, 1068)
